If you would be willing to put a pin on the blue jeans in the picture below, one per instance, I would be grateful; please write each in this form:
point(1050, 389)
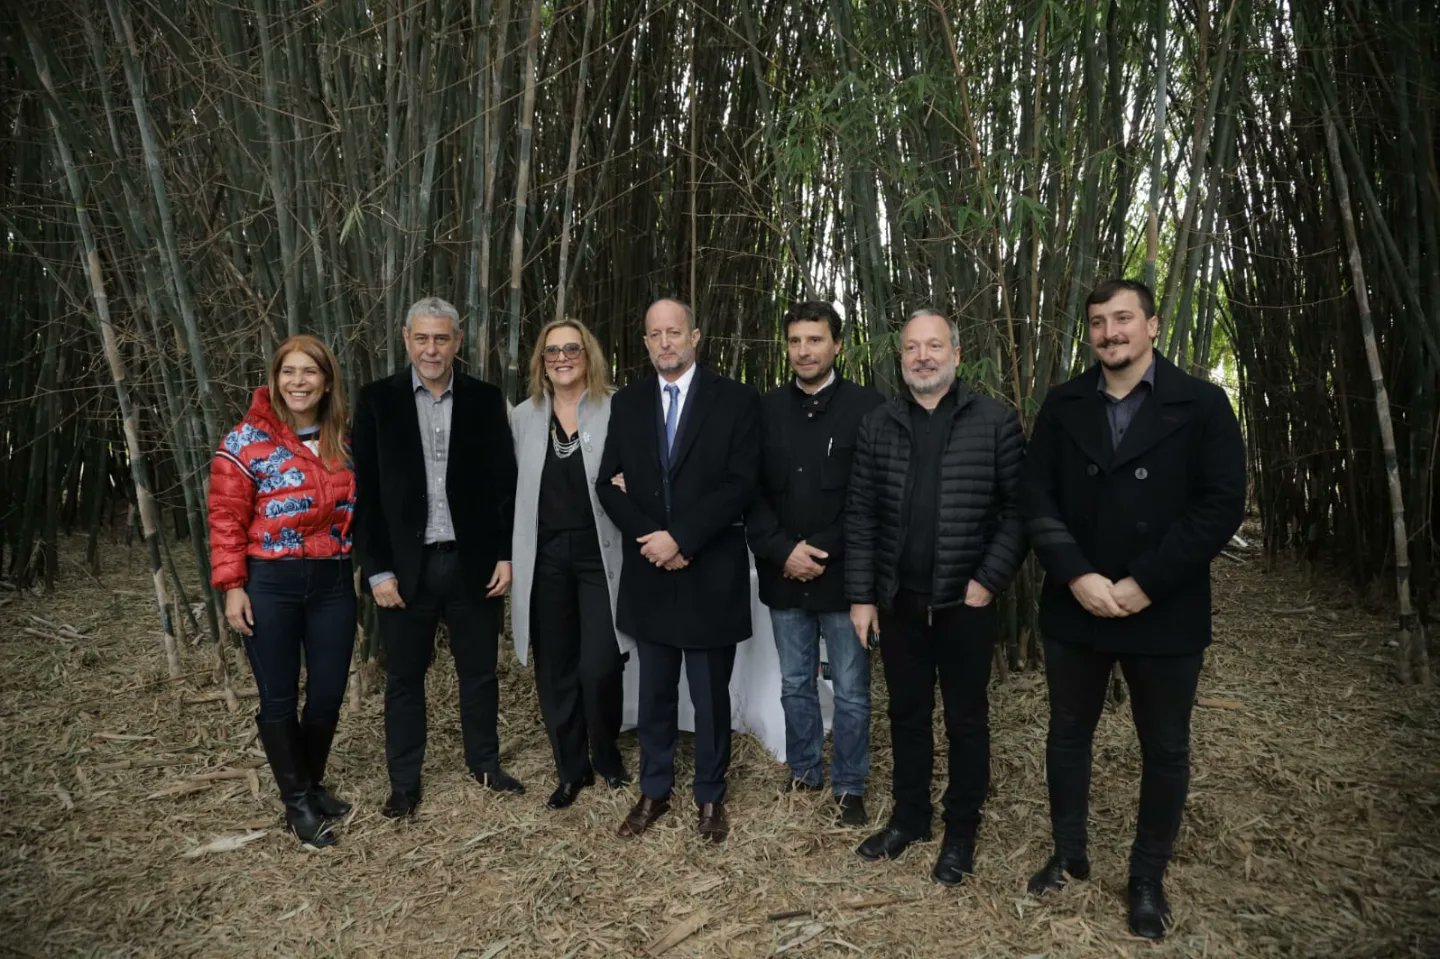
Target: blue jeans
point(301, 604)
point(797, 635)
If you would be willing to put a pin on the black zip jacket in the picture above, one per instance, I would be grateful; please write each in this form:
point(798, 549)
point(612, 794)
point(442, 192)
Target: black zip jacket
point(978, 533)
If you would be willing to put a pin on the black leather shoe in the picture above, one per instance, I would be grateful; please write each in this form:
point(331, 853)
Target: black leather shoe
point(888, 843)
point(1149, 910)
point(956, 861)
point(616, 780)
point(852, 810)
point(498, 780)
point(566, 793)
point(401, 804)
point(1052, 876)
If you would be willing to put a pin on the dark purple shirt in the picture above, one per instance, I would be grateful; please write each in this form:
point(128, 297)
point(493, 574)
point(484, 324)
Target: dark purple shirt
point(1119, 413)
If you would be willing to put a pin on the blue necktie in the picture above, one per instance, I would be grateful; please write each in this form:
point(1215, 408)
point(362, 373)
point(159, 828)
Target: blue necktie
point(672, 414)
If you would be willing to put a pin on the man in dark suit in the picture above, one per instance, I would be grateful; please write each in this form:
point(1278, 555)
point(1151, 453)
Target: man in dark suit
point(1134, 482)
point(435, 495)
point(685, 445)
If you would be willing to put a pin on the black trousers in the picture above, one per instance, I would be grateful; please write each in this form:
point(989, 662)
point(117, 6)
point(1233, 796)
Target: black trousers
point(578, 668)
point(708, 673)
point(953, 645)
point(1162, 694)
point(409, 638)
point(301, 605)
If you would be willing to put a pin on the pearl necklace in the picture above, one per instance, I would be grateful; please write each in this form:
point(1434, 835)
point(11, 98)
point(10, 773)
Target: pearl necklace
point(563, 448)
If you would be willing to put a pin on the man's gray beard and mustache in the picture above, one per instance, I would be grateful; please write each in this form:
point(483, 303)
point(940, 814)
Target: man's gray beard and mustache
point(922, 384)
point(670, 366)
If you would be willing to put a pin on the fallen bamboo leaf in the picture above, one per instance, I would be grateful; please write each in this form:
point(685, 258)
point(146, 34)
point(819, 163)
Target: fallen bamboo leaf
point(295, 912)
point(1212, 703)
point(678, 933)
point(181, 789)
point(65, 799)
point(495, 949)
point(226, 843)
point(221, 695)
point(807, 932)
point(121, 737)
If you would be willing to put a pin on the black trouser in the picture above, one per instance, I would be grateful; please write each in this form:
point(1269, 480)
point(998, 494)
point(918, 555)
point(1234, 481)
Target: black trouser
point(955, 645)
point(301, 604)
point(442, 592)
point(708, 673)
point(1162, 693)
point(578, 669)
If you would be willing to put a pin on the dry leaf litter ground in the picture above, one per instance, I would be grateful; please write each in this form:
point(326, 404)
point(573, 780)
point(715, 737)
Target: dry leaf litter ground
point(133, 826)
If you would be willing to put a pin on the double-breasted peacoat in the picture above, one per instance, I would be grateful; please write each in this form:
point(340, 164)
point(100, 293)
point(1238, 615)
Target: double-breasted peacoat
point(1158, 508)
point(390, 499)
point(530, 422)
point(711, 476)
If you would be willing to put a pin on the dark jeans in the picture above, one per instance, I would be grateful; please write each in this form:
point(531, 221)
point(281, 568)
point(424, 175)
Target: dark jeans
point(797, 642)
point(578, 668)
point(708, 674)
point(301, 604)
point(954, 645)
point(442, 592)
point(1162, 693)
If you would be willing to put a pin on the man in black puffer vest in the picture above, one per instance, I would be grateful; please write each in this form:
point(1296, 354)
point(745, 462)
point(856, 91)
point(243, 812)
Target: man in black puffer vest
point(932, 534)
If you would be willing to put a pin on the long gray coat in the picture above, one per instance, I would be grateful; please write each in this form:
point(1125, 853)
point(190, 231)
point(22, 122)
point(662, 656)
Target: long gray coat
point(530, 424)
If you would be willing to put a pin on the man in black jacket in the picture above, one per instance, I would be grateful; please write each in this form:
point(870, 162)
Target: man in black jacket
point(684, 443)
point(932, 535)
point(796, 529)
point(1135, 481)
point(434, 505)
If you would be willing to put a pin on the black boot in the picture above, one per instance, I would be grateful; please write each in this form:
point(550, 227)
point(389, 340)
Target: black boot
point(284, 749)
point(317, 738)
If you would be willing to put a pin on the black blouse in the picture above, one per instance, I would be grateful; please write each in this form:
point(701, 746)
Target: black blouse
point(564, 490)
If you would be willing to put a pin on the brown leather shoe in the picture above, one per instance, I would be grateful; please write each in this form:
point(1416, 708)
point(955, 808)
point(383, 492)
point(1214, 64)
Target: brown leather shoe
point(713, 824)
point(642, 816)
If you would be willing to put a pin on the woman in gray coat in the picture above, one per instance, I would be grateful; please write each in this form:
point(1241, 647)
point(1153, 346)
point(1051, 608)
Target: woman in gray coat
point(567, 559)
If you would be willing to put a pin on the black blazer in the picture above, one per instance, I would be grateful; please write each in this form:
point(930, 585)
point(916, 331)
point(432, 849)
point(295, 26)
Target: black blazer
point(1158, 508)
point(390, 496)
point(711, 479)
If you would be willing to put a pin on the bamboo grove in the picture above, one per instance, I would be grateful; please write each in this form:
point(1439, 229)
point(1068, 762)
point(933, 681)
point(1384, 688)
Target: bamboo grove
point(185, 183)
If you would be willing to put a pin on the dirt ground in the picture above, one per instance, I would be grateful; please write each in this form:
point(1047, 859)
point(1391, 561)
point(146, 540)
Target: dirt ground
point(1311, 828)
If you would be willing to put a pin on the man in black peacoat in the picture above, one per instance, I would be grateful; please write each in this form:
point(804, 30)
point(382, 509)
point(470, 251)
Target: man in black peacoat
point(435, 501)
point(1134, 482)
point(686, 444)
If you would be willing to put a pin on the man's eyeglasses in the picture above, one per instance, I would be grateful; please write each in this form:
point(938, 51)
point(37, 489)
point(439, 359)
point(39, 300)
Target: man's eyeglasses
point(569, 351)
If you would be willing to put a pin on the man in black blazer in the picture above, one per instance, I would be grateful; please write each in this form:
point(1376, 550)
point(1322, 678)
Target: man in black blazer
point(435, 497)
point(1134, 482)
point(684, 445)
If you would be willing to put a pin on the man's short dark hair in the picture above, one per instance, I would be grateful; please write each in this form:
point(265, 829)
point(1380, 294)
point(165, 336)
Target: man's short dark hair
point(1108, 290)
point(812, 311)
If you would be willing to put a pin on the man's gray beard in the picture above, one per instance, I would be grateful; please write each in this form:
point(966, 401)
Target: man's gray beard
point(926, 386)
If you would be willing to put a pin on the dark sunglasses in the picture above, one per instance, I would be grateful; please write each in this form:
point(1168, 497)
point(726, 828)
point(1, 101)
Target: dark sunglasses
point(569, 350)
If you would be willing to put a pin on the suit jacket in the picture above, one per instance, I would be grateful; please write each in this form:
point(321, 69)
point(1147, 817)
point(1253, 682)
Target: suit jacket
point(699, 496)
point(391, 500)
point(530, 422)
point(1158, 508)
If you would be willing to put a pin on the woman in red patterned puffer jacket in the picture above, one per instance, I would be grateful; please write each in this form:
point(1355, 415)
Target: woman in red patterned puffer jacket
point(282, 494)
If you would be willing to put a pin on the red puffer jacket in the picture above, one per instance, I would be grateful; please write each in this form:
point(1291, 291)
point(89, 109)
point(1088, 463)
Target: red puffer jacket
point(271, 498)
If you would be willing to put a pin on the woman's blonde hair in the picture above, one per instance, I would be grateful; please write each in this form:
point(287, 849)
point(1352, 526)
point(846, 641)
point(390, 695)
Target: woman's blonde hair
point(597, 368)
point(333, 413)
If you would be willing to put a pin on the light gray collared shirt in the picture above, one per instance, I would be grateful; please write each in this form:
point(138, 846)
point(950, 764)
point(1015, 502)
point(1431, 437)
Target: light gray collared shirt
point(434, 416)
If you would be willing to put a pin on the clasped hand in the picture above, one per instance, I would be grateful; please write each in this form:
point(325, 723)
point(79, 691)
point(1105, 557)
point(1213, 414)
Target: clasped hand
point(1107, 599)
